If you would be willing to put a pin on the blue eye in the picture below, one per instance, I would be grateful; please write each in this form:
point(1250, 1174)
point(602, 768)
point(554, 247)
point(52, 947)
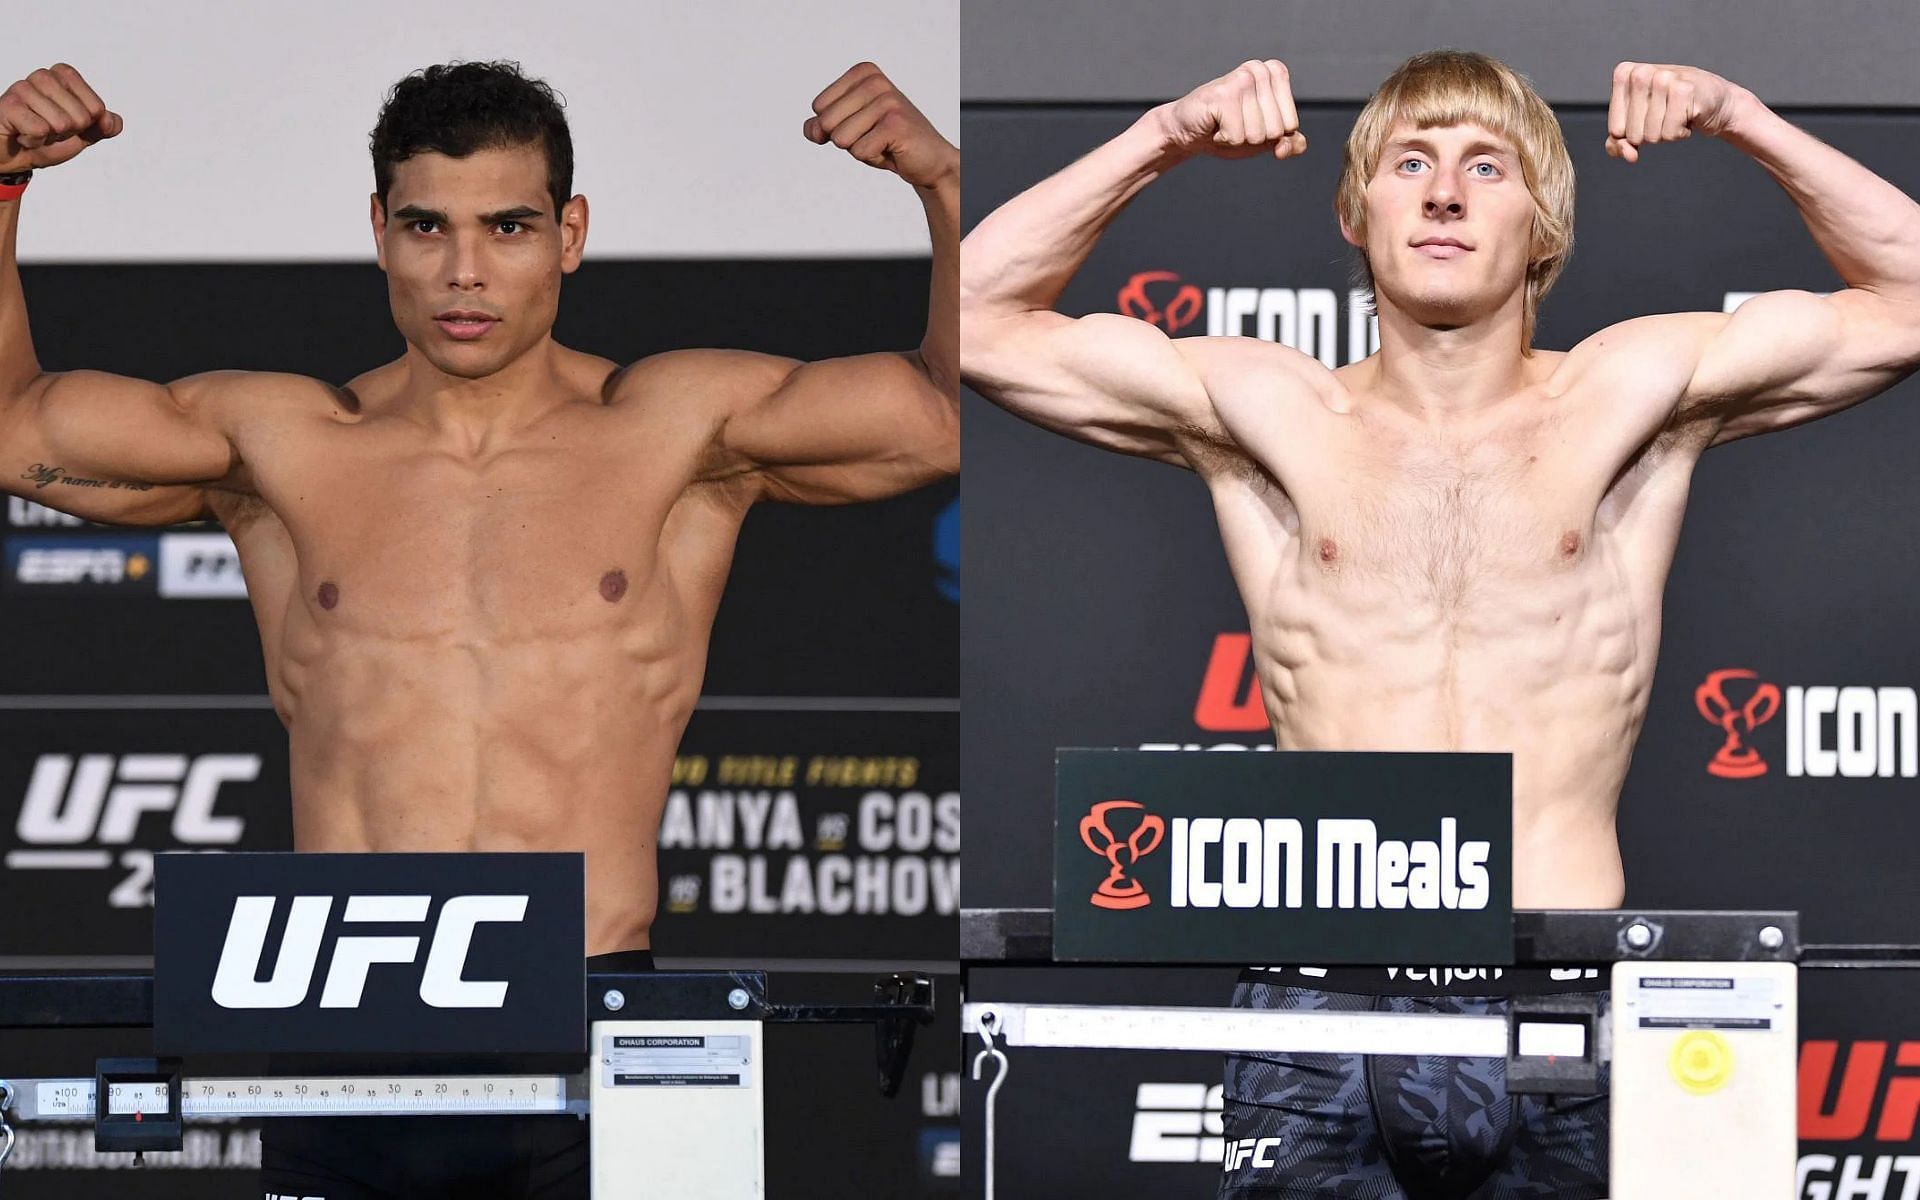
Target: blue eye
point(1491, 171)
point(1410, 163)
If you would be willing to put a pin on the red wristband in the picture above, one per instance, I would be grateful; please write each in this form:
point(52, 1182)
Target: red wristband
point(11, 191)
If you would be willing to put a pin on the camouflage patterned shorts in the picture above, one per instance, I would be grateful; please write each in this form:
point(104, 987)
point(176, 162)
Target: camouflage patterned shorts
point(1383, 1127)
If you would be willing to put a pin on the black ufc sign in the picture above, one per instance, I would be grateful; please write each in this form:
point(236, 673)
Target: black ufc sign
point(369, 953)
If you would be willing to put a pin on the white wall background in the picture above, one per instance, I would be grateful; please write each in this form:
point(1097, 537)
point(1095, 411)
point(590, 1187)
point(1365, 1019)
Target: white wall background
point(247, 123)
point(1797, 53)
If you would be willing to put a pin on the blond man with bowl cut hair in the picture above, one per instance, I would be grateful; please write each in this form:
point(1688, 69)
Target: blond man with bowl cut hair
point(1461, 542)
point(1445, 88)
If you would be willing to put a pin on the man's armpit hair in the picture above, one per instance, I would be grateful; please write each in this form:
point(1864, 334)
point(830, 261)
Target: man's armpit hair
point(1212, 452)
point(236, 511)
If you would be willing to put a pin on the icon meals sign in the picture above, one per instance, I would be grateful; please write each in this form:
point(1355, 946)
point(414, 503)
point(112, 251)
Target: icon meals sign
point(1296, 857)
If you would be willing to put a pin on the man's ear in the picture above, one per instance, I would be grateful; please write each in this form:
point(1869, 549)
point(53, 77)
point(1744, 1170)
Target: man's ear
point(573, 234)
point(378, 217)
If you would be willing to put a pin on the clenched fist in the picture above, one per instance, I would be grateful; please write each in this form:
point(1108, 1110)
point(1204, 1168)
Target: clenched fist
point(1245, 112)
point(864, 114)
point(50, 116)
point(1663, 102)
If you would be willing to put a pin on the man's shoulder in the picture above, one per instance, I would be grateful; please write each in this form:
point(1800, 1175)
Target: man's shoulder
point(696, 375)
point(694, 390)
point(1624, 384)
point(251, 397)
point(1640, 352)
point(680, 401)
point(1269, 371)
point(686, 399)
point(1258, 355)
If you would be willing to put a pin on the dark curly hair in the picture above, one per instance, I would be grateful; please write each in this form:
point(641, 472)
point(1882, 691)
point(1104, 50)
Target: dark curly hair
point(458, 108)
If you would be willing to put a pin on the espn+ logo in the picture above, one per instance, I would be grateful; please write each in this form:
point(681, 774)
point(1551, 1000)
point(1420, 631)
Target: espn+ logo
point(236, 982)
point(76, 807)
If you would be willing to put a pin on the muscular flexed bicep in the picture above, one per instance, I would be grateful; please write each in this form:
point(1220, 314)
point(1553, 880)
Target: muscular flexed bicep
point(1106, 379)
point(1785, 358)
point(111, 448)
point(1113, 381)
point(92, 445)
point(835, 431)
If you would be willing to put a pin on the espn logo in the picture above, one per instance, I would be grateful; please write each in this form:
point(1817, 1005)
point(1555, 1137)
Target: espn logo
point(236, 982)
point(176, 565)
point(101, 798)
point(1177, 1123)
point(69, 564)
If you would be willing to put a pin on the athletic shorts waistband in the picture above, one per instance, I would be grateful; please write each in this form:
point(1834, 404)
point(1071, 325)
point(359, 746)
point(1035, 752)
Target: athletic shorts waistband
point(1434, 981)
point(621, 960)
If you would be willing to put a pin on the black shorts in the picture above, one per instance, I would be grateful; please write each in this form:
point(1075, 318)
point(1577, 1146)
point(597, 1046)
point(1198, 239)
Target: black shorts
point(1386, 1127)
point(536, 1157)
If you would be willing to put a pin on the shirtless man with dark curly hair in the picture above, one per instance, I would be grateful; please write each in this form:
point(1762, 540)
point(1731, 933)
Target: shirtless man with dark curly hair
point(486, 572)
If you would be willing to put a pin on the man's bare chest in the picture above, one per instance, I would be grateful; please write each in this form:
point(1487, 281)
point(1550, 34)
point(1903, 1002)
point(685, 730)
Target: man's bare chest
point(531, 539)
point(1446, 521)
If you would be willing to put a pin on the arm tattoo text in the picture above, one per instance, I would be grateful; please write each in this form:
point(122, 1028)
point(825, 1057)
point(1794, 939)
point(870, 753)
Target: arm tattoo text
point(42, 475)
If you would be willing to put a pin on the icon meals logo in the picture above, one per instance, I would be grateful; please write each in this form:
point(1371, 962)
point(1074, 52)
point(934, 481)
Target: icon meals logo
point(1182, 307)
point(237, 984)
point(1735, 759)
point(1261, 862)
point(1850, 732)
point(1116, 890)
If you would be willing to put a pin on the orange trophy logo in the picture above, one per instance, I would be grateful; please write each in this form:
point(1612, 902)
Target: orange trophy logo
point(1735, 759)
point(1116, 890)
point(1180, 311)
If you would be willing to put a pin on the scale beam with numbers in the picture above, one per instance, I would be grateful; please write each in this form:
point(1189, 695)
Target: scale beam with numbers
point(1700, 1039)
point(673, 1082)
point(216, 1097)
